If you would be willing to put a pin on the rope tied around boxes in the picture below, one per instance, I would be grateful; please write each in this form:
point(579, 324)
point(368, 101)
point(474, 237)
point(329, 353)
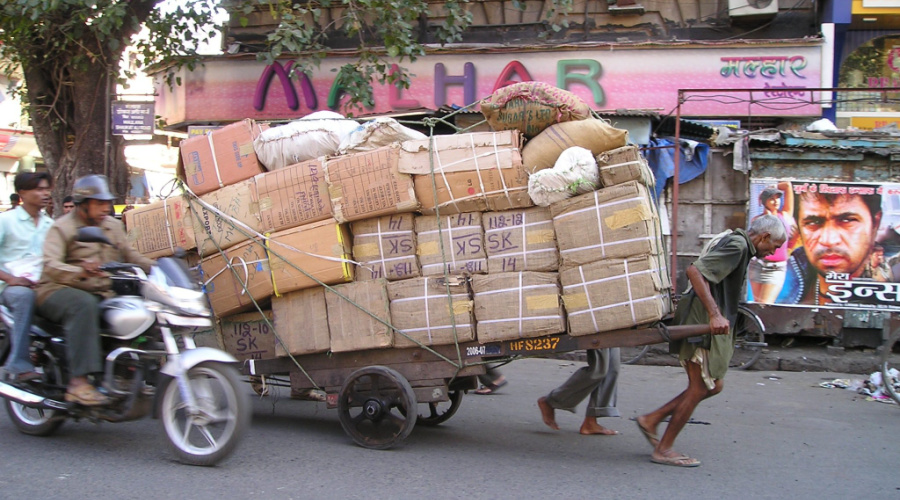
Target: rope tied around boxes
point(252, 234)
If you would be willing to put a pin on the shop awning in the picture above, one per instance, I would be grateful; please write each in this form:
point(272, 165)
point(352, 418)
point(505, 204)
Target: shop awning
point(17, 143)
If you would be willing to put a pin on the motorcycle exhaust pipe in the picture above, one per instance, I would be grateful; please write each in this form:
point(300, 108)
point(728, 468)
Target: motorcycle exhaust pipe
point(26, 398)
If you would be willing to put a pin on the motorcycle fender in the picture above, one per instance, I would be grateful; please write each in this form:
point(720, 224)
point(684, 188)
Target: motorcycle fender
point(192, 357)
point(185, 361)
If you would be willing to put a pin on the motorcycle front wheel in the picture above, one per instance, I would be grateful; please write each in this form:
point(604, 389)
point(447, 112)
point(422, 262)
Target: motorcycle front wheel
point(34, 421)
point(209, 432)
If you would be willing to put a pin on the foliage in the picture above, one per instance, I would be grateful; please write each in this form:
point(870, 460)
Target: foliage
point(387, 34)
point(69, 53)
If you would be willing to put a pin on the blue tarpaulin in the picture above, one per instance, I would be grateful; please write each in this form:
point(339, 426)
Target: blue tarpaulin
point(661, 157)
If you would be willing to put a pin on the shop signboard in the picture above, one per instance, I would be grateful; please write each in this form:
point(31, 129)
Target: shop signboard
point(132, 118)
point(843, 250)
point(782, 76)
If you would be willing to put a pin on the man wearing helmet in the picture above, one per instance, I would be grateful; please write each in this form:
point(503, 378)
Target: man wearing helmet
point(72, 283)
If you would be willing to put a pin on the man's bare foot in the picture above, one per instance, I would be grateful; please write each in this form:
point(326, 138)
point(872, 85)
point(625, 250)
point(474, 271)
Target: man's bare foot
point(590, 427)
point(648, 431)
point(547, 413)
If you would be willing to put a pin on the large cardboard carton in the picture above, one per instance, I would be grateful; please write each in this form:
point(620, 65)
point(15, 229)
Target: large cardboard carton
point(520, 240)
point(266, 203)
point(355, 329)
point(386, 247)
point(512, 306)
point(620, 165)
point(613, 222)
point(427, 311)
point(237, 276)
point(309, 256)
point(369, 184)
point(157, 229)
point(220, 158)
point(248, 336)
point(457, 247)
point(301, 321)
point(225, 217)
point(471, 172)
point(292, 196)
point(613, 294)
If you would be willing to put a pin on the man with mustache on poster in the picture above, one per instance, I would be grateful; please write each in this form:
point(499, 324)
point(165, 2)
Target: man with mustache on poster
point(838, 229)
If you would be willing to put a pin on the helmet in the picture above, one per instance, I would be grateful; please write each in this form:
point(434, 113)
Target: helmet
point(91, 187)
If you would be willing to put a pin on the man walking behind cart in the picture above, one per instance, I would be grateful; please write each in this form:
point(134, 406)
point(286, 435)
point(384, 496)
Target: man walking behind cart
point(717, 283)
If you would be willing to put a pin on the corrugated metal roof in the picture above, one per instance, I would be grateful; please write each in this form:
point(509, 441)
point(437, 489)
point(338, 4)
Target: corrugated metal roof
point(868, 141)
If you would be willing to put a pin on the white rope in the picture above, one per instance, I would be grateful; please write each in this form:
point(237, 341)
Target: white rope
point(587, 294)
point(263, 237)
point(212, 149)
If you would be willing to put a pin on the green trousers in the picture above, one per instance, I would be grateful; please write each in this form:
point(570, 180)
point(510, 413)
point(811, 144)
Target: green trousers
point(78, 312)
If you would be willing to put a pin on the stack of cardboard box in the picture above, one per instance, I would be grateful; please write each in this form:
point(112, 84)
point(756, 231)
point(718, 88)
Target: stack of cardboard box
point(424, 241)
point(613, 269)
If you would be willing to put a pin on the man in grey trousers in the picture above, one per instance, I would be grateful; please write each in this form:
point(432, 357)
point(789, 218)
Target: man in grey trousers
point(599, 379)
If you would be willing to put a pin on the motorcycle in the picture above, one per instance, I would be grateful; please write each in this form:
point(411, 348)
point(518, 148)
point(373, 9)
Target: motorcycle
point(152, 364)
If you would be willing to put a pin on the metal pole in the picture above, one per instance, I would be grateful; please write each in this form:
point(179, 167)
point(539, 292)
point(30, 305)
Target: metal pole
point(674, 226)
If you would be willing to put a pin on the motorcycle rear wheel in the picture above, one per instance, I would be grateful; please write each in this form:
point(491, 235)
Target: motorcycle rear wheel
point(223, 414)
point(34, 421)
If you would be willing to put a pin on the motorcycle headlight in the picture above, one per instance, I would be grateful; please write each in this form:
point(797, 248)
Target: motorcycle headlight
point(190, 302)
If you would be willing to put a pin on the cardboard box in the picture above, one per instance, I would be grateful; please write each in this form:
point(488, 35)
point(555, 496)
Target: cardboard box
point(520, 240)
point(292, 196)
point(613, 222)
point(462, 238)
point(248, 336)
point(226, 274)
point(368, 184)
point(266, 203)
point(233, 219)
point(354, 329)
point(512, 306)
point(157, 229)
point(310, 255)
point(613, 294)
point(386, 246)
point(421, 309)
point(620, 165)
point(301, 321)
point(223, 157)
point(472, 172)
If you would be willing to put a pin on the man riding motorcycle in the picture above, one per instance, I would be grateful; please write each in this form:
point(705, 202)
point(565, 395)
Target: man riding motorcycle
point(72, 283)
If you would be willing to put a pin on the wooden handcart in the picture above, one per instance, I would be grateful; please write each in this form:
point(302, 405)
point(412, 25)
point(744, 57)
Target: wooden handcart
point(374, 390)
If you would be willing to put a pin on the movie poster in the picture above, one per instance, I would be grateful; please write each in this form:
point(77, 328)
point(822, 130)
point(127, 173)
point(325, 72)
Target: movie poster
point(843, 247)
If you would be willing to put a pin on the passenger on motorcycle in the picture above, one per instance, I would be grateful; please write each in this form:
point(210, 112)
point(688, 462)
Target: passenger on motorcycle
point(22, 232)
point(72, 283)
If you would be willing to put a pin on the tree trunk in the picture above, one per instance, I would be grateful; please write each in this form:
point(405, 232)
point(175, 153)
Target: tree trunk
point(69, 118)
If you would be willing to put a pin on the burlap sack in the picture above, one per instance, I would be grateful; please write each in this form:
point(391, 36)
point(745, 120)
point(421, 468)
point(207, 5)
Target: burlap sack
point(530, 107)
point(597, 135)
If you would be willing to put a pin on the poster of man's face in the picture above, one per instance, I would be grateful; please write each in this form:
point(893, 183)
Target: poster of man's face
point(843, 248)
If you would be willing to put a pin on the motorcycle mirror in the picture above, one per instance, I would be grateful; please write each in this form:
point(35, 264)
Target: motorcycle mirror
point(92, 234)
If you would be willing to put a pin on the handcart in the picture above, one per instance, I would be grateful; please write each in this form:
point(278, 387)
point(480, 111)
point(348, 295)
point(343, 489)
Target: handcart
point(375, 390)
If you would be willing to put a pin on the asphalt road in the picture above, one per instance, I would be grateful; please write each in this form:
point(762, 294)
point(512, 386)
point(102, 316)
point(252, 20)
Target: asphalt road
point(768, 435)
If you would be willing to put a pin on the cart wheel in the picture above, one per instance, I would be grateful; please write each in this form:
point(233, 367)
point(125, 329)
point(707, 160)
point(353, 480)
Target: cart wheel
point(749, 339)
point(440, 412)
point(373, 407)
